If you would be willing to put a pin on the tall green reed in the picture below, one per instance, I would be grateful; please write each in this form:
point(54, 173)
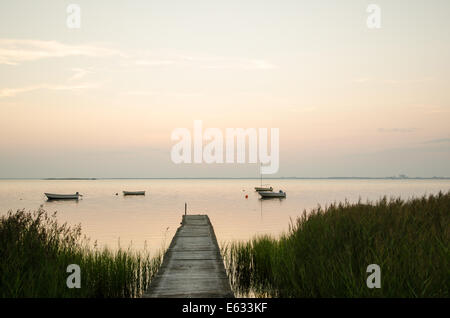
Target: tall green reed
point(35, 251)
point(325, 253)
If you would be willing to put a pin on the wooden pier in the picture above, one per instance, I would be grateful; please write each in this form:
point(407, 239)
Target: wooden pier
point(192, 266)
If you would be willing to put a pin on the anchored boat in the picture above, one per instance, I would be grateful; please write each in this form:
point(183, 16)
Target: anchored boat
point(270, 194)
point(259, 189)
point(133, 192)
point(55, 196)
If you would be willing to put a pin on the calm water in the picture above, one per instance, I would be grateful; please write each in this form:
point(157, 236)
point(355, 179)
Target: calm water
point(155, 217)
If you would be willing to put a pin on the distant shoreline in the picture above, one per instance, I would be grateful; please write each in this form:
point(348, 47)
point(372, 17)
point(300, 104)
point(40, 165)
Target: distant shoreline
point(68, 179)
point(237, 178)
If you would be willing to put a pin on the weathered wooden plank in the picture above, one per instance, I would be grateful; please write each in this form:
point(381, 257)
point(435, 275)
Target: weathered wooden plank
point(193, 265)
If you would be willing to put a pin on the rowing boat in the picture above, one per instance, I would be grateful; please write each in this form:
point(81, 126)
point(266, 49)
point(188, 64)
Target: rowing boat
point(55, 196)
point(133, 192)
point(258, 189)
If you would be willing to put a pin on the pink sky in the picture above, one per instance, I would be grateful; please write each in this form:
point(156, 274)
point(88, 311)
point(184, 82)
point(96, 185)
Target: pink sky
point(102, 100)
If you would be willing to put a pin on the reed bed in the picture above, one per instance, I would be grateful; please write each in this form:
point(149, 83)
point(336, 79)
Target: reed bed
point(325, 253)
point(35, 252)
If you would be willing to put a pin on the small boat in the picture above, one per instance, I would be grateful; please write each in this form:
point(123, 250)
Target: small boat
point(258, 189)
point(133, 192)
point(270, 194)
point(261, 188)
point(54, 196)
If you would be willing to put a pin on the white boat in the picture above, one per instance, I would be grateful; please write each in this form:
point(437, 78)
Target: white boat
point(54, 196)
point(133, 192)
point(270, 194)
point(258, 189)
point(261, 188)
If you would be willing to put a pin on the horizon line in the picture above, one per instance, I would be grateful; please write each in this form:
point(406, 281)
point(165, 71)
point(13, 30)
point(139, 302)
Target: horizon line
point(231, 178)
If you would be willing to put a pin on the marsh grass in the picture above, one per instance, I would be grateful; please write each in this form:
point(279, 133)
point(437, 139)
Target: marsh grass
point(326, 252)
point(35, 252)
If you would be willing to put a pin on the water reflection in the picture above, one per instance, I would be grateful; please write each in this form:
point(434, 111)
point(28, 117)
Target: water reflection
point(154, 218)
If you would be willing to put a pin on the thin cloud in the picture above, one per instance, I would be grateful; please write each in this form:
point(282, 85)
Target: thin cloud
point(241, 64)
point(409, 81)
point(79, 73)
point(361, 80)
point(431, 109)
point(17, 51)
point(303, 109)
point(156, 93)
point(154, 62)
point(220, 62)
point(12, 92)
point(392, 81)
point(437, 141)
point(141, 93)
point(396, 130)
point(208, 62)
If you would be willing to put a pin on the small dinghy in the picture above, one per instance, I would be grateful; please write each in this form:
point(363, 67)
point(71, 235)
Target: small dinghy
point(133, 192)
point(270, 194)
point(54, 196)
point(265, 188)
point(259, 189)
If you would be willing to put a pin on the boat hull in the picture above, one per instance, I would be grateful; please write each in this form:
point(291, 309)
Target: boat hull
point(133, 192)
point(259, 189)
point(269, 195)
point(54, 196)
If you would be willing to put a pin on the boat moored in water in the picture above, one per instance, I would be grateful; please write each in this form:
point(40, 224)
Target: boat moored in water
point(271, 194)
point(133, 192)
point(266, 187)
point(55, 196)
point(258, 189)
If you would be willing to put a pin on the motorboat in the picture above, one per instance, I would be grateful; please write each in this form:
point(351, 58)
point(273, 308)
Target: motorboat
point(271, 194)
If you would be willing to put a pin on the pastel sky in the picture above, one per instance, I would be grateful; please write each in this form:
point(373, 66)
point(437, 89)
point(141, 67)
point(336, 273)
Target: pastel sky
point(102, 100)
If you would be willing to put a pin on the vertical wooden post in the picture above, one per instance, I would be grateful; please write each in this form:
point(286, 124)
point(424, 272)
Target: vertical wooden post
point(185, 208)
